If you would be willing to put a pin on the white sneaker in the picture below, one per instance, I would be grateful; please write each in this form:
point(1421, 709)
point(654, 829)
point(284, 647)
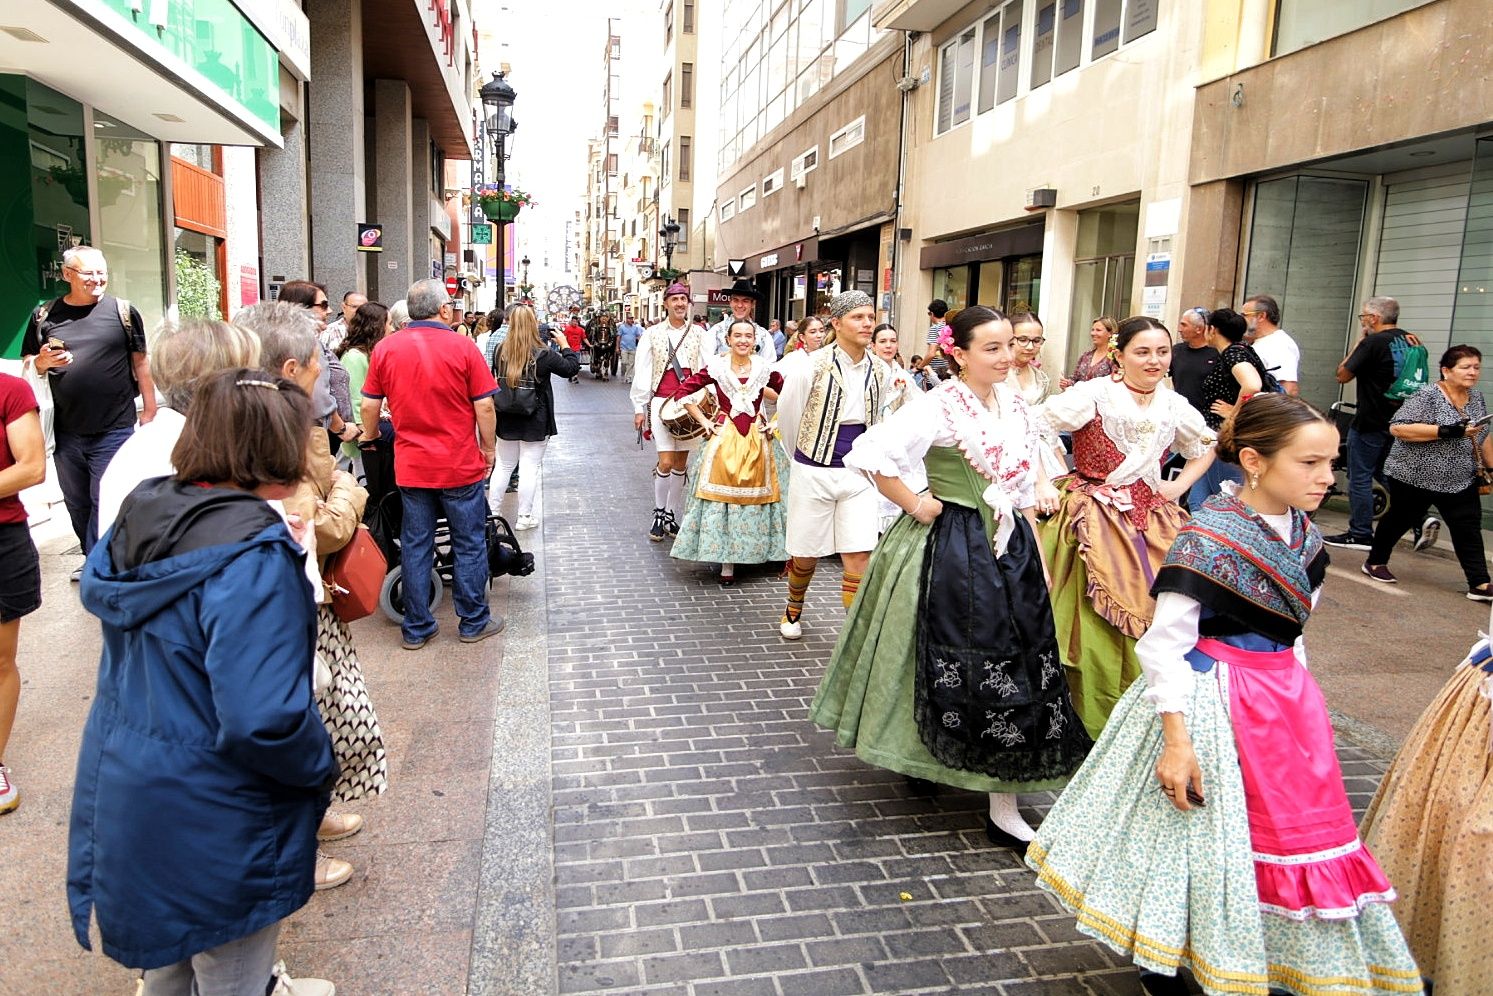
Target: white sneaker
point(791, 630)
point(286, 986)
point(1430, 530)
point(10, 796)
point(526, 522)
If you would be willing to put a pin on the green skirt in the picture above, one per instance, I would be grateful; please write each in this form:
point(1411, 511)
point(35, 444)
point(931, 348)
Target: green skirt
point(866, 696)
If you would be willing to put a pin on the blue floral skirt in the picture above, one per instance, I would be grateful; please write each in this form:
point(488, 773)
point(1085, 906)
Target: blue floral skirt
point(725, 533)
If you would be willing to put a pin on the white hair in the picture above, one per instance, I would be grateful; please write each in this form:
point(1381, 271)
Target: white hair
point(72, 257)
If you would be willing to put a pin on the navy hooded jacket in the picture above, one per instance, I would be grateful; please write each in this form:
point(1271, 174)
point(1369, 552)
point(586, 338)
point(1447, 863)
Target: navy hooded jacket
point(204, 767)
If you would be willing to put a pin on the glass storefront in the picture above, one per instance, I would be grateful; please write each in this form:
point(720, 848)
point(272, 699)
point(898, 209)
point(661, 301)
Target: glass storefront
point(1304, 239)
point(129, 200)
point(1013, 283)
point(1103, 270)
point(41, 135)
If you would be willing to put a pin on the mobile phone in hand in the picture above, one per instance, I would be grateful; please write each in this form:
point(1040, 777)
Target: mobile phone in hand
point(1479, 423)
point(1194, 797)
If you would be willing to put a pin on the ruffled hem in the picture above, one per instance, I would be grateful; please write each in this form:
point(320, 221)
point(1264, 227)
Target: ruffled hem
point(1104, 603)
point(1335, 886)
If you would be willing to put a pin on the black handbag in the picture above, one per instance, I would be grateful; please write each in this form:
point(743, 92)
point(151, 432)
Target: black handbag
point(521, 399)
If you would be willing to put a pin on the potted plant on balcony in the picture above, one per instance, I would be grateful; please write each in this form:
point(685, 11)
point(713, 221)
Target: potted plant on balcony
point(500, 204)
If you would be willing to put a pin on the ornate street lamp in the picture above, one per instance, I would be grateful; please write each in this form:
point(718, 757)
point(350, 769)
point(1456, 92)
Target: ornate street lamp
point(497, 103)
point(670, 234)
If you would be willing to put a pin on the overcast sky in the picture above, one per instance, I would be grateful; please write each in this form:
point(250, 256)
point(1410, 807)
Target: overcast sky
point(554, 48)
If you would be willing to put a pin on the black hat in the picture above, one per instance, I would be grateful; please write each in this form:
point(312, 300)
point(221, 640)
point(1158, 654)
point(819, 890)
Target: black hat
point(744, 288)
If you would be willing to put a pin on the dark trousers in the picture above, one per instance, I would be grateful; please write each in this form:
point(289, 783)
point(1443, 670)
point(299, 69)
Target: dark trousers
point(1367, 452)
point(80, 461)
point(1462, 512)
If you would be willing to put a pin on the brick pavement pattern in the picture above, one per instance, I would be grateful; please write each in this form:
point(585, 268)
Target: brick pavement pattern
point(710, 840)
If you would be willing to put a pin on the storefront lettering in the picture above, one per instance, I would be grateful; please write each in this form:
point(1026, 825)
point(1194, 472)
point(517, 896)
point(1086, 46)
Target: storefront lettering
point(771, 259)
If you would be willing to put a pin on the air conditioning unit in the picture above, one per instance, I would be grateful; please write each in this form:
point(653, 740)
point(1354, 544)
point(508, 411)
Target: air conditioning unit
point(801, 181)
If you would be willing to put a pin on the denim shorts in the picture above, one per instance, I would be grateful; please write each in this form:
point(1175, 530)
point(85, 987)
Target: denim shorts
point(20, 572)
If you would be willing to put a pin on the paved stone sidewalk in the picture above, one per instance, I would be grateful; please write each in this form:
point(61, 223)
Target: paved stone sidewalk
point(708, 839)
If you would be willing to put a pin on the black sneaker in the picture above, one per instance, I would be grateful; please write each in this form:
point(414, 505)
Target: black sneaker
point(671, 525)
point(656, 534)
point(1348, 541)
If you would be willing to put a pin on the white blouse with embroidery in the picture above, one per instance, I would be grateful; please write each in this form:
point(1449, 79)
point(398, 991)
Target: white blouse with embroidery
point(998, 443)
point(1142, 435)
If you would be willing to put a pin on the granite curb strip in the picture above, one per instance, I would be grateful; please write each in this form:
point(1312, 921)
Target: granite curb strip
point(513, 929)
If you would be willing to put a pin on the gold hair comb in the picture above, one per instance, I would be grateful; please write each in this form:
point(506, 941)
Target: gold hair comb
point(257, 383)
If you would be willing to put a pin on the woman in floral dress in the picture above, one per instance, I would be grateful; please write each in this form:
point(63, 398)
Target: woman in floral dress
point(734, 513)
point(1210, 829)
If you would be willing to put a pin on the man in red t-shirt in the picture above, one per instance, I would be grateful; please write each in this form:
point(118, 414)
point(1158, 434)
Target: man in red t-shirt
point(23, 463)
point(440, 398)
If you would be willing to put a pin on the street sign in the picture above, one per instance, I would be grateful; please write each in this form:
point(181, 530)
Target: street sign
point(451, 285)
point(482, 235)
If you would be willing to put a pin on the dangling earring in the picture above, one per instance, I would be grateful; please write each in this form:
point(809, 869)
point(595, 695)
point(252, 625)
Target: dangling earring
point(1254, 482)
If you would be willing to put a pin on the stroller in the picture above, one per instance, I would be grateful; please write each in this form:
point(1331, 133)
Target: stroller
point(504, 555)
point(1342, 414)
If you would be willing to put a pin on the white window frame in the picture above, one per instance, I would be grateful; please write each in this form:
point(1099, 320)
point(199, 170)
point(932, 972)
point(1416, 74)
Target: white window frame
point(859, 124)
point(798, 170)
point(950, 50)
point(772, 182)
point(728, 210)
point(746, 200)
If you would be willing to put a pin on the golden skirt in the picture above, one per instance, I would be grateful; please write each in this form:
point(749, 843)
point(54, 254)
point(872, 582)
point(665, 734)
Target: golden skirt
point(738, 469)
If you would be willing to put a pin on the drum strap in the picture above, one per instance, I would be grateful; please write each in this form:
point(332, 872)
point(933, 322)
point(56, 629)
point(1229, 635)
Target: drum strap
point(674, 358)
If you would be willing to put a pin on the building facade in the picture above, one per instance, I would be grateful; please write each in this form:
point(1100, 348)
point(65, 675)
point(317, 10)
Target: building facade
point(1091, 157)
point(809, 155)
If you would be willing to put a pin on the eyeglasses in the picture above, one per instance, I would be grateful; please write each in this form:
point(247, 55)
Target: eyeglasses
point(97, 276)
point(1249, 314)
point(1022, 340)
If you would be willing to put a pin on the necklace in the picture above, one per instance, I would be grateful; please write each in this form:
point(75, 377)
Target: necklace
point(1136, 390)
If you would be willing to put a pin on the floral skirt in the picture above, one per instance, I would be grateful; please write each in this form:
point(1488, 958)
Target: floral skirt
point(726, 533)
point(1431, 827)
point(1169, 889)
point(347, 711)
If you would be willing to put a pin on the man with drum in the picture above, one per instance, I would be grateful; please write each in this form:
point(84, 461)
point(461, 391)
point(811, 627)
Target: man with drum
point(667, 354)
point(823, 407)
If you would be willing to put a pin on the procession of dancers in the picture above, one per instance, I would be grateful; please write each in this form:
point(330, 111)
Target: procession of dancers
point(1013, 626)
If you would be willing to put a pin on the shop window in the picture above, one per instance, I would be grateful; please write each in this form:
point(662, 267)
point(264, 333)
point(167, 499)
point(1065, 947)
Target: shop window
point(1303, 250)
point(772, 182)
point(1103, 270)
point(951, 285)
point(848, 137)
point(990, 284)
point(1299, 23)
point(956, 66)
point(129, 202)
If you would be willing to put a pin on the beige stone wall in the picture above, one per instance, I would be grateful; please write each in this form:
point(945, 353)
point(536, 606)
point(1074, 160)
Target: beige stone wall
point(1417, 74)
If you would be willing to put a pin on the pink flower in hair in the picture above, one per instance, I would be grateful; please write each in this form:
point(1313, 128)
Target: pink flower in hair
point(946, 340)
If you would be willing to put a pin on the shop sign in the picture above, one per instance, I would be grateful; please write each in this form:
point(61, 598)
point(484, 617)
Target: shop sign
point(248, 285)
point(370, 237)
point(720, 296)
point(1023, 240)
point(482, 234)
point(768, 261)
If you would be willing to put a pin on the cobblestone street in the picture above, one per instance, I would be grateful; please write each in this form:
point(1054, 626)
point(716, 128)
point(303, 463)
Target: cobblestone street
point(708, 838)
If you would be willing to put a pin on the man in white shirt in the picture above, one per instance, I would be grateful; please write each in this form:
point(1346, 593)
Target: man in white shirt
point(667, 354)
point(825, 404)
point(743, 298)
point(333, 334)
point(1281, 355)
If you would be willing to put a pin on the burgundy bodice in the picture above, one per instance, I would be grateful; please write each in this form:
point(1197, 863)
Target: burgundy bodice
point(1095, 456)
point(743, 423)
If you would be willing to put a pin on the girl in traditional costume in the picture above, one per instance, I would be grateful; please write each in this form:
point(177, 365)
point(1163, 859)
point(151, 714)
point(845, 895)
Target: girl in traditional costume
point(1210, 828)
point(947, 669)
point(1118, 517)
point(734, 514)
point(1431, 826)
point(1035, 387)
